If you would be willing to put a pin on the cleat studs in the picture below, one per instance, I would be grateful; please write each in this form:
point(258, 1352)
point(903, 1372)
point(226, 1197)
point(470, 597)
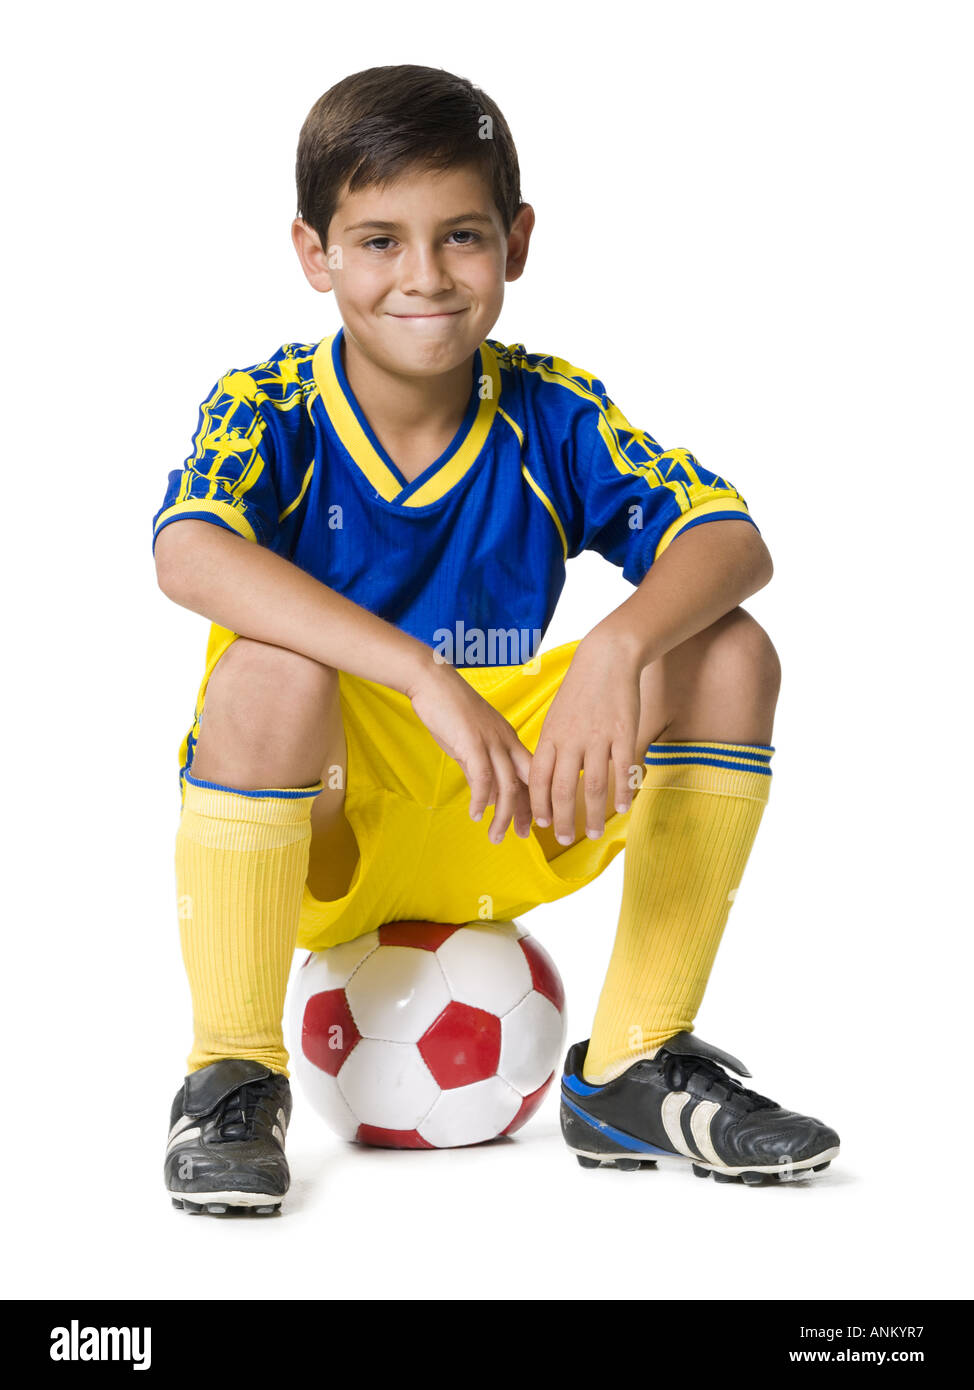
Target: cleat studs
point(222, 1208)
point(818, 1168)
point(700, 1172)
point(753, 1179)
point(623, 1162)
point(725, 1177)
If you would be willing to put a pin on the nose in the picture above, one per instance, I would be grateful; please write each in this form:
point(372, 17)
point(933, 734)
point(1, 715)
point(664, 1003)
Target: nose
point(423, 273)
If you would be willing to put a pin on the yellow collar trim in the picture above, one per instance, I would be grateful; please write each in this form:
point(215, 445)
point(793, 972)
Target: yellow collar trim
point(450, 473)
point(347, 427)
point(368, 459)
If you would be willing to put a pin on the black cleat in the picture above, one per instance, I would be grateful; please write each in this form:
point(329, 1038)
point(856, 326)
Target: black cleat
point(226, 1139)
point(682, 1104)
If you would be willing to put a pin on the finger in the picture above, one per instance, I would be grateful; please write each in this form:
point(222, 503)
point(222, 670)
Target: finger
point(479, 773)
point(522, 811)
point(564, 794)
point(539, 782)
point(522, 760)
point(520, 757)
point(595, 782)
point(522, 814)
point(622, 773)
point(508, 784)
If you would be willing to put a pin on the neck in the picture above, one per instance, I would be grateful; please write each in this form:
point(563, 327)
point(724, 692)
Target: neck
point(395, 404)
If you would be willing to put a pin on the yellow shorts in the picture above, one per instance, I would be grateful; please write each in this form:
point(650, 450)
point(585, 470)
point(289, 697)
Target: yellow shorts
point(407, 802)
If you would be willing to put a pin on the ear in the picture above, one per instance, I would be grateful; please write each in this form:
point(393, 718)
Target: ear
point(312, 255)
point(518, 240)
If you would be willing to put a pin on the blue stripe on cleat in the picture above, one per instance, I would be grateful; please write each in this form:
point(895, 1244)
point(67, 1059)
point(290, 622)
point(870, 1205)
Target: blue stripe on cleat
point(581, 1088)
point(617, 1135)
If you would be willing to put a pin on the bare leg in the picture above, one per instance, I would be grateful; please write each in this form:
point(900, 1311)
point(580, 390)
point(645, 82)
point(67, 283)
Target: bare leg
point(272, 718)
point(720, 686)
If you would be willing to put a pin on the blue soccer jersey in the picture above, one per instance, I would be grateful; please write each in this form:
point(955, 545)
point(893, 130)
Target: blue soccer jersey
point(470, 556)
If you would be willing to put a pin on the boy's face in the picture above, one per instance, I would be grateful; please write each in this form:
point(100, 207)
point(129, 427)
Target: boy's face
point(418, 267)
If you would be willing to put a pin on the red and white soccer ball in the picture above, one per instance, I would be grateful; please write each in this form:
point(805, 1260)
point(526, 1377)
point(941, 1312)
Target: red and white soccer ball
point(428, 1035)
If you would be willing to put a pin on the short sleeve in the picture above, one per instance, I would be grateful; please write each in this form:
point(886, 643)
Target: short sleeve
point(229, 476)
point(635, 497)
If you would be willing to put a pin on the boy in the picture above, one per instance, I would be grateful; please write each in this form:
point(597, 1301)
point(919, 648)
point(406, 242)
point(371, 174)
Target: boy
point(377, 527)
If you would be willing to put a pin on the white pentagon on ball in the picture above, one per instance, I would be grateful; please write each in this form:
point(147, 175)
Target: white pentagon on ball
point(387, 1084)
point(482, 970)
point(396, 993)
point(531, 1034)
point(334, 968)
point(470, 1114)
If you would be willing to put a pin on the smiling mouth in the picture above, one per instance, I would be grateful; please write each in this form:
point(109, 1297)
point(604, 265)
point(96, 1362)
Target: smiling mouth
point(452, 313)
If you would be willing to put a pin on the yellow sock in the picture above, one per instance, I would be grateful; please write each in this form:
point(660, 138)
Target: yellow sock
point(241, 863)
point(690, 833)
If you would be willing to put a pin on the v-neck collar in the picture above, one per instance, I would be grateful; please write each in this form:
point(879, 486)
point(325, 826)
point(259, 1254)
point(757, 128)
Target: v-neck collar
point(367, 453)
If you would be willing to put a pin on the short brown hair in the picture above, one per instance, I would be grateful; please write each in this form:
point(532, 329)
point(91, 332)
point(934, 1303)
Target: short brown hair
point(374, 125)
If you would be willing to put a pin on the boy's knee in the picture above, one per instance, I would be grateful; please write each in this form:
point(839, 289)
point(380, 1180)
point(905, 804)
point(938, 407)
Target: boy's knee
point(257, 675)
point(271, 717)
point(734, 656)
point(745, 643)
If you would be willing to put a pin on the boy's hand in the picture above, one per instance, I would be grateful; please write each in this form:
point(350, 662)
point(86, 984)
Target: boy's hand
point(494, 761)
point(591, 727)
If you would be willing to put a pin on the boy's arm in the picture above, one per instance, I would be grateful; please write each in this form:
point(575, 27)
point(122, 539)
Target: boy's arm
point(255, 593)
point(702, 574)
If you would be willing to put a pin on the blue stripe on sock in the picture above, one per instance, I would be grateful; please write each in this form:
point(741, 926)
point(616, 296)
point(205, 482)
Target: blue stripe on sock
point(760, 751)
point(709, 762)
point(281, 794)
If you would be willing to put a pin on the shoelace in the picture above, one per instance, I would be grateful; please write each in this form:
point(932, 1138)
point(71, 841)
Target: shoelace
point(238, 1116)
point(678, 1069)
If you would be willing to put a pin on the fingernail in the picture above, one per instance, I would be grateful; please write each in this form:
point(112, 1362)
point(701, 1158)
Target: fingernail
point(477, 816)
point(621, 809)
point(542, 823)
point(564, 839)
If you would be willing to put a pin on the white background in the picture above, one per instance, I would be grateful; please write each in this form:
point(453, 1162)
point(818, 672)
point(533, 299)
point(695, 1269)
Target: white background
point(754, 225)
